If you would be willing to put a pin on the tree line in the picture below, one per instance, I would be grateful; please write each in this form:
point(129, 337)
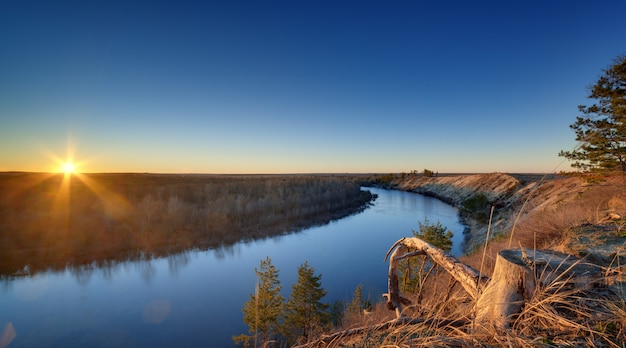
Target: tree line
point(55, 220)
point(273, 320)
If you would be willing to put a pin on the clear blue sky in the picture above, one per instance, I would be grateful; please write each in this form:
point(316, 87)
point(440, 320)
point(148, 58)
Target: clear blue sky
point(299, 86)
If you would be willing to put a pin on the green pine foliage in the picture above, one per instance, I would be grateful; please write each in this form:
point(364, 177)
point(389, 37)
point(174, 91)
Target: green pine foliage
point(414, 271)
point(336, 313)
point(477, 207)
point(435, 234)
point(263, 312)
point(273, 322)
point(355, 310)
point(305, 313)
point(357, 304)
point(601, 129)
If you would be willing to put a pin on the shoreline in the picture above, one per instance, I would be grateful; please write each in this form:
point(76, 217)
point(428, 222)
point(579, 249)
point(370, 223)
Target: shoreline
point(52, 222)
point(508, 194)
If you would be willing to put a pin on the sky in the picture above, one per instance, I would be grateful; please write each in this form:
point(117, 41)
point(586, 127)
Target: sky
point(299, 86)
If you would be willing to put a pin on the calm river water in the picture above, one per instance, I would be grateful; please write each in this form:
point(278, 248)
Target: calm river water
point(195, 298)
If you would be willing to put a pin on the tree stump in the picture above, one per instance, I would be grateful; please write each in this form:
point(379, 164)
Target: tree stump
point(517, 275)
point(511, 284)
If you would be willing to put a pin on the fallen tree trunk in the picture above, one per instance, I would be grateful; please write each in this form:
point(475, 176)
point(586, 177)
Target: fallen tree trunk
point(470, 279)
point(498, 300)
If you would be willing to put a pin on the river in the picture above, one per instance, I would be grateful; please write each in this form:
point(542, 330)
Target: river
point(195, 298)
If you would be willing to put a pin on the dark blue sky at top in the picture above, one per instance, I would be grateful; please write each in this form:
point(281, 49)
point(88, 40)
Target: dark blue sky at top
point(299, 86)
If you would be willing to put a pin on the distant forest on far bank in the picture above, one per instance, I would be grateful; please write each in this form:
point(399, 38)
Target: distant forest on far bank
point(51, 221)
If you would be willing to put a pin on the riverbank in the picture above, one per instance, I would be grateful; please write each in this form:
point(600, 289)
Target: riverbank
point(179, 300)
point(532, 210)
point(582, 215)
point(51, 221)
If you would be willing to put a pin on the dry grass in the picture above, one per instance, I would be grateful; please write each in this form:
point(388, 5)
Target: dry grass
point(558, 314)
point(566, 313)
point(545, 223)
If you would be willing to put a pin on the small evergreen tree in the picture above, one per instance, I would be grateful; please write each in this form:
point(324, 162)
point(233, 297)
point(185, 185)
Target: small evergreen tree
point(305, 313)
point(354, 310)
point(336, 313)
point(357, 304)
point(263, 312)
point(435, 234)
point(413, 272)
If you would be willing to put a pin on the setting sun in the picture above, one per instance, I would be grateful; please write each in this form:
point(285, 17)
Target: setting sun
point(68, 168)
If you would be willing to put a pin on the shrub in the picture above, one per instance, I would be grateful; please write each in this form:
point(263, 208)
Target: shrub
point(477, 207)
point(415, 273)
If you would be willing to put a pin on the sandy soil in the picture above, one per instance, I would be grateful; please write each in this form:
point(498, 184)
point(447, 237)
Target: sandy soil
point(514, 196)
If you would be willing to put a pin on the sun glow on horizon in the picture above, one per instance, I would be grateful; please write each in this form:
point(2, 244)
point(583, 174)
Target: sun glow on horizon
point(68, 168)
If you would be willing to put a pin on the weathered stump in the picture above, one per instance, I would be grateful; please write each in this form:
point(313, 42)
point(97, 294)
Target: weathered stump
point(516, 276)
point(512, 283)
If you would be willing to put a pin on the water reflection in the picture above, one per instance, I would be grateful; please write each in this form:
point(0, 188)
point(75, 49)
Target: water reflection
point(178, 261)
point(109, 269)
point(30, 289)
point(226, 251)
point(82, 274)
point(195, 297)
point(146, 270)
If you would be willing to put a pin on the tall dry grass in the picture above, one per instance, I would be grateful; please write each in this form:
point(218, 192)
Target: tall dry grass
point(558, 314)
point(546, 223)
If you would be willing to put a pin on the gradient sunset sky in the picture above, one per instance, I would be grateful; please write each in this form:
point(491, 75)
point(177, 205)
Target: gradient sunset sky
point(298, 86)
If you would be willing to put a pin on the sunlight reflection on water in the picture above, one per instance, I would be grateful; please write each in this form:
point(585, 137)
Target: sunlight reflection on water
point(196, 297)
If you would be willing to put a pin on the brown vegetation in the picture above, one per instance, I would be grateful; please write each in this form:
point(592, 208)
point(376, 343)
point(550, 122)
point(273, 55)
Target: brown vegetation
point(55, 220)
point(571, 214)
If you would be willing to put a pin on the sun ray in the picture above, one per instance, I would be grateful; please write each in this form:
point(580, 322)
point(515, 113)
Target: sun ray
point(115, 206)
point(68, 168)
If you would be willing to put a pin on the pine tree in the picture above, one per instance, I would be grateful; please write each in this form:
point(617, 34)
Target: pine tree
point(305, 313)
point(263, 312)
point(357, 304)
point(336, 312)
point(601, 130)
point(414, 273)
point(435, 234)
point(355, 311)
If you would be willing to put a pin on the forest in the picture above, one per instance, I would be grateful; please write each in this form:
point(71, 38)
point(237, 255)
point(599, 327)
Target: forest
point(52, 221)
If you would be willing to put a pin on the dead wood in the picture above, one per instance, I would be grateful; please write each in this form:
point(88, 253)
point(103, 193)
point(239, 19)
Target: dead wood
point(499, 299)
point(470, 279)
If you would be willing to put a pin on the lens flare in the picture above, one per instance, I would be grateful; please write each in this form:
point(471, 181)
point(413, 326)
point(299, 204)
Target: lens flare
point(68, 168)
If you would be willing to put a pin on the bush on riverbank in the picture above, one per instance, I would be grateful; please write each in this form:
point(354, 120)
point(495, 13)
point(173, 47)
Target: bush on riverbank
point(477, 207)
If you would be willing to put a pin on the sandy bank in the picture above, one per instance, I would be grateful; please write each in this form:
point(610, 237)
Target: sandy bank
point(509, 194)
